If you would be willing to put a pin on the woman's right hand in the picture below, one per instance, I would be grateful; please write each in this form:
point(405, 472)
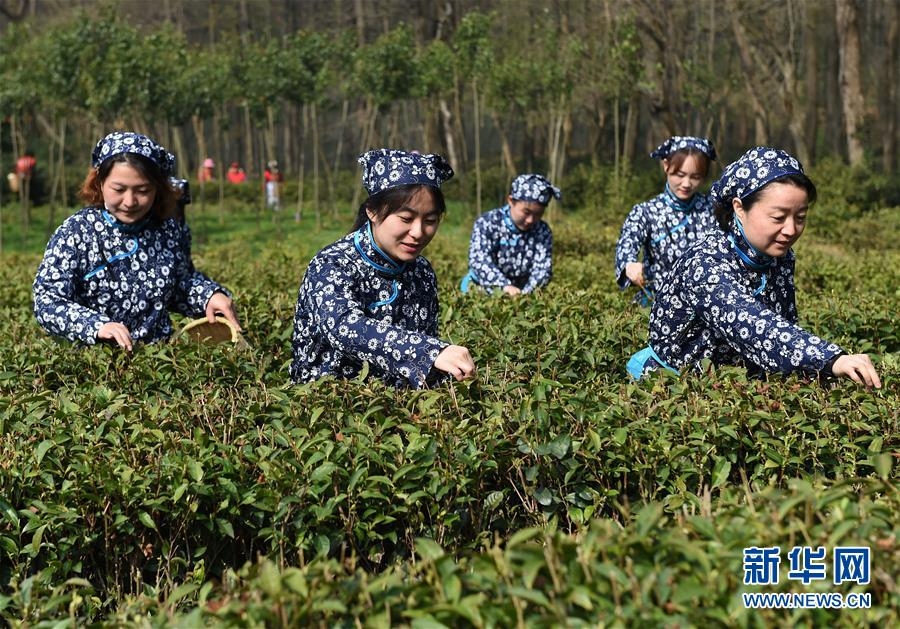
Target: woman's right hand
point(857, 367)
point(634, 271)
point(456, 360)
point(117, 332)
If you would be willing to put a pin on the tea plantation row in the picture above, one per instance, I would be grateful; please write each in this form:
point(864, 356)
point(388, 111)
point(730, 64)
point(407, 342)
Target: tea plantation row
point(187, 485)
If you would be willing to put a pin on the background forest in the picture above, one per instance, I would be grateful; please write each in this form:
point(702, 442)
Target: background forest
point(561, 86)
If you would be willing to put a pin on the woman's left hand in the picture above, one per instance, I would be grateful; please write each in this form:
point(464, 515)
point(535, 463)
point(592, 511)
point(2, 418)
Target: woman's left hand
point(857, 367)
point(221, 303)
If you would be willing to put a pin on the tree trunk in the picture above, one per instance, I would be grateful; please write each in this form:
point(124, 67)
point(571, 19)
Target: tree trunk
point(368, 132)
point(888, 110)
point(249, 158)
point(811, 67)
point(477, 121)
point(314, 118)
point(447, 116)
point(298, 214)
point(197, 123)
point(219, 152)
point(760, 122)
point(629, 141)
point(506, 150)
point(849, 71)
point(60, 178)
point(339, 149)
point(459, 130)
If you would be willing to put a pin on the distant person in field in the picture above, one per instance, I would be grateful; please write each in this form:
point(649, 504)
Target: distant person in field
point(730, 298)
point(207, 171)
point(25, 166)
point(511, 248)
point(273, 182)
point(371, 298)
point(656, 232)
point(236, 174)
point(113, 270)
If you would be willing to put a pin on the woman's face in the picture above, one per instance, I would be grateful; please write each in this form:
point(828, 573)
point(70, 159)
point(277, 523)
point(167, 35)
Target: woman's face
point(525, 214)
point(777, 219)
point(405, 233)
point(127, 194)
point(685, 179)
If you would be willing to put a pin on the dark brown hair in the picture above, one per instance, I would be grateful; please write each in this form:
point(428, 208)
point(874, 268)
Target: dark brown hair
point(163, 205)
point(676, 159)
point(724, 210)
point(386, 202)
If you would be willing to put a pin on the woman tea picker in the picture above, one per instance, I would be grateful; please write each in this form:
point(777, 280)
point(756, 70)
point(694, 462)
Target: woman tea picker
point(114, 270)
point(661, 229)
point(511, 247)
point(731, 297)
point(370, 297)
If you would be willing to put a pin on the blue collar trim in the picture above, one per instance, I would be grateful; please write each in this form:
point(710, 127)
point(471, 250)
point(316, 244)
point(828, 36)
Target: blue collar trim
point(677, 204)
point(364, 238)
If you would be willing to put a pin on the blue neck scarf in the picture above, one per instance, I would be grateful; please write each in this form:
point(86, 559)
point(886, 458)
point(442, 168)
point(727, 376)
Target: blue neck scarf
point(125, 228)
point(749, 255)
point(677, 204)
point(511, 224)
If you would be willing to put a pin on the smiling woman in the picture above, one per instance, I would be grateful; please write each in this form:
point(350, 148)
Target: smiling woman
point(730, 298)
point(114, 270)
point(370, 298)
point(658, 230)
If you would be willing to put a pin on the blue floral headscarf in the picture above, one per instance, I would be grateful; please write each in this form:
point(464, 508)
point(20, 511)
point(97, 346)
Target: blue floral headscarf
point(753, 170)
point(534, 188)
point(389, 168)
point(678, 142)
point(130, 142)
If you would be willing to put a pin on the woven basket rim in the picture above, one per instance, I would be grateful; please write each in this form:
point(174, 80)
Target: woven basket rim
point(199, 321)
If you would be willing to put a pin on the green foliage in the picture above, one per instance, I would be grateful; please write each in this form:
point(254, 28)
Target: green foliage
point(307, 59)
point(435, 66)
point(386, 70)
point(472, 44)
point(193, 485)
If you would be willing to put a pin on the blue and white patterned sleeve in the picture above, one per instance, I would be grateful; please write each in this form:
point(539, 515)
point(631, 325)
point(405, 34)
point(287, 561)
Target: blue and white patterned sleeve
point(54, 289)
point(339, 314)
point(631, 242)
point(481, 260)
point(194, 289)
point(758, 333)
point(542, 262)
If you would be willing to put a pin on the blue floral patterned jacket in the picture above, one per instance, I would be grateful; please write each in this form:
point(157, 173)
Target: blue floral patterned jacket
point(502, 255)
point(662, 231)
point(95, 272)
point(349, 312)
point(714, 305)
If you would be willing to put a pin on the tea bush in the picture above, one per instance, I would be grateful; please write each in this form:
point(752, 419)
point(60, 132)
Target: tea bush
point(193, 485)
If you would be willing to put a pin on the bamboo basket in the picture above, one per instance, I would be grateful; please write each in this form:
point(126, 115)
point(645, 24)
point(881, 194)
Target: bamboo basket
point(222, 331)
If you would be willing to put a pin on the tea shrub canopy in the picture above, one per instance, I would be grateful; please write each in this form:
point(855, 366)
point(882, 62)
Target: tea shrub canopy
point(187, 485)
